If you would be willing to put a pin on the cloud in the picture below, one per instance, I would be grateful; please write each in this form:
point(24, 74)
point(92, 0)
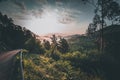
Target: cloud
point(8, 7)
point(65, 18)
point(20, 16)
point(3, 0)
point(37, 13)
point(67, 15)
point(20, 4)
point(41, 2)
point(27, 14)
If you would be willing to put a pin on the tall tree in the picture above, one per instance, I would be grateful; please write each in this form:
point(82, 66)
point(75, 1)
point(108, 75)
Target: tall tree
point(63, 45)
point(54, 43)
point(105, 10)
point(15, 37)
point(46, 44)
point(91, 29)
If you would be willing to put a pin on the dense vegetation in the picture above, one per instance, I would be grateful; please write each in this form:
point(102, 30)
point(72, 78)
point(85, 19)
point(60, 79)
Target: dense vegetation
point(83, 62)
point(16, 37)
point(75, 58)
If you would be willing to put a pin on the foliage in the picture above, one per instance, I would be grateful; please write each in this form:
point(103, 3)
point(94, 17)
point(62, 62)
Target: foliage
point(63, 45)
point(16, 37)
point(60, 45)
point(81, 43)
point(46, 44)
point(110, 9)
point(82, 62)
point(111, 57)
point(34, 46)
point(73, 65)
point(54, 43)
point(107, 12)
point(46, 68)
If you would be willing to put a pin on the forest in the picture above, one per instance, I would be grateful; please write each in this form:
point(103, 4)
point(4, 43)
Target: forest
point(92, 56)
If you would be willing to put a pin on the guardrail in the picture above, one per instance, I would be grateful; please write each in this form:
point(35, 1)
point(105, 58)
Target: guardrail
point(21, 65)
point(11, 65)
point(18, 71)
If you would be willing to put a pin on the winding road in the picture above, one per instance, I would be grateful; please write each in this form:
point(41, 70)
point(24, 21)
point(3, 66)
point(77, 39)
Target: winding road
point(6, 63)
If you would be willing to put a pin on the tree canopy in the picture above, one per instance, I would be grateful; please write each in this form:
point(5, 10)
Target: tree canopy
point(16, 37)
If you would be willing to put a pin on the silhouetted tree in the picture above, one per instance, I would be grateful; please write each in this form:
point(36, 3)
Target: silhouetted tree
point(105, 10)
point(54, 43)
point(16, 37)
point(63, 45)
point(46, 44)
point(34, 46)
point(91, 29)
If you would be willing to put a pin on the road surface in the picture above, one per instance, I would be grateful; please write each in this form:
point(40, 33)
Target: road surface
point(6, 63)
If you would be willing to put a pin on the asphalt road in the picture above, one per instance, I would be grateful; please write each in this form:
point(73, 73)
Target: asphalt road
point(6, 63)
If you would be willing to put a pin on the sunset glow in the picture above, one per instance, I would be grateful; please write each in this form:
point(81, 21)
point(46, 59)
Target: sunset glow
point(48, 23)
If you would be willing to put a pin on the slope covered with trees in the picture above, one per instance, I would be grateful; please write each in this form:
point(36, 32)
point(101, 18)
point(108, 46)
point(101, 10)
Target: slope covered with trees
point(16, 37)
point(70, 64)
point(76, 58)
point(105, 29)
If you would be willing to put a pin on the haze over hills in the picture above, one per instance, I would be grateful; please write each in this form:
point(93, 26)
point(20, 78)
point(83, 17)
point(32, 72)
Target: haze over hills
point(58, 35)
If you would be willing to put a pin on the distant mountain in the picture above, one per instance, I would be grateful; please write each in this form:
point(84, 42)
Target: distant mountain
point(58, 35)
point(74, 36)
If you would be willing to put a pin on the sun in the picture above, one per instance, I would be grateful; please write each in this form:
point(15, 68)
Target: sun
point(47, 23)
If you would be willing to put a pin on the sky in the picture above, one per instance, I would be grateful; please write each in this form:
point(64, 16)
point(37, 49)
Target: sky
point(49, 16)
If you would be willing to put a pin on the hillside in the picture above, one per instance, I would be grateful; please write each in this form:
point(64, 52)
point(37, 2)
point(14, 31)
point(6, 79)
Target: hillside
point(16, 37)
point(67, 57)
